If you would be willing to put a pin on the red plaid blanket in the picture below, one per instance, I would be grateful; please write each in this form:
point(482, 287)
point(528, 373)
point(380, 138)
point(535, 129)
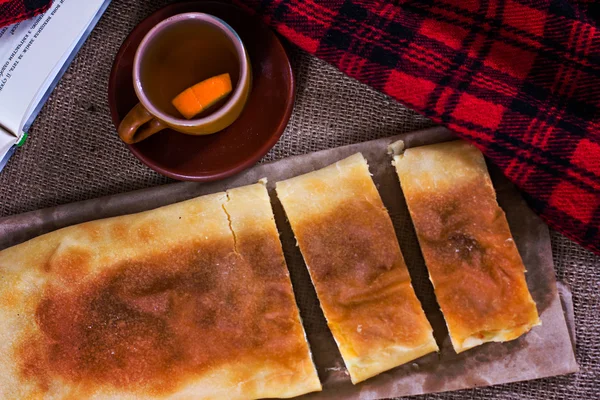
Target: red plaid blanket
point(12, 11)
point(518, 78)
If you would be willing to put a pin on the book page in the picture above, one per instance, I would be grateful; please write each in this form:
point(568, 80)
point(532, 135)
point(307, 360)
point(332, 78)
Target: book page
point(7, 141)
point(32, 52)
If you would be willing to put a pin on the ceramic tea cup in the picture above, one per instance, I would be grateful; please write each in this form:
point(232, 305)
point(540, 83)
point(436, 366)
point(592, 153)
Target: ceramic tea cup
point(175, 54)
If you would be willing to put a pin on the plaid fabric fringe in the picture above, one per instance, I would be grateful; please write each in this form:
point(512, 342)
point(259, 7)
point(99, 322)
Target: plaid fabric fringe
point(13, 11)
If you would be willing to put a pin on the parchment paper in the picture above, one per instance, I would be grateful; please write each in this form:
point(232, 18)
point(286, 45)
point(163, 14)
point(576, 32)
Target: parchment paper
point(545, 351)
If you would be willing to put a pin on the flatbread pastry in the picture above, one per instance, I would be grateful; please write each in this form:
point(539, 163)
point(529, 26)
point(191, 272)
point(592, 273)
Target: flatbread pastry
point(471, 256)
point(350, 248)
point(187, 301)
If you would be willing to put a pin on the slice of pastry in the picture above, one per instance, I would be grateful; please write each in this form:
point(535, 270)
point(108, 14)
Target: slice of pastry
point(471, 256)
point(191, 300)
point(350, 248)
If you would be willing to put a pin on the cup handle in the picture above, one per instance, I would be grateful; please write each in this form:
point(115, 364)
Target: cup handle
point(139, 124)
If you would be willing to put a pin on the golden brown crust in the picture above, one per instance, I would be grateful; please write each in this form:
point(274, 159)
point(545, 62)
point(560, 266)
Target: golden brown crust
point(204, 316)
point(471, 256)
point(350, 247)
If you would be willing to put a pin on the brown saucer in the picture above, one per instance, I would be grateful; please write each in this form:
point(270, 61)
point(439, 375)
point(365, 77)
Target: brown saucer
point(251, 136)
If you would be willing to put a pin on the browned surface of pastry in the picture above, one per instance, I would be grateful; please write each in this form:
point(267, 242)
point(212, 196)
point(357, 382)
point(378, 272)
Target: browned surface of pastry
point(192, 300)
point(352, 253)
point(472, 259)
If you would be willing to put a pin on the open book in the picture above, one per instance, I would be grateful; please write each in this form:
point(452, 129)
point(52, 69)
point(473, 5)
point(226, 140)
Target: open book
point(33, 56)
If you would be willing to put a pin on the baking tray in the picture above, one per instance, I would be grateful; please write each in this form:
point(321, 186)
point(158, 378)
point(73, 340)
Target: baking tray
point(545, 351)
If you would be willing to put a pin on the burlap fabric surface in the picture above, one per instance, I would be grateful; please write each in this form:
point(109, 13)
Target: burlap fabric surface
point(73, 153)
